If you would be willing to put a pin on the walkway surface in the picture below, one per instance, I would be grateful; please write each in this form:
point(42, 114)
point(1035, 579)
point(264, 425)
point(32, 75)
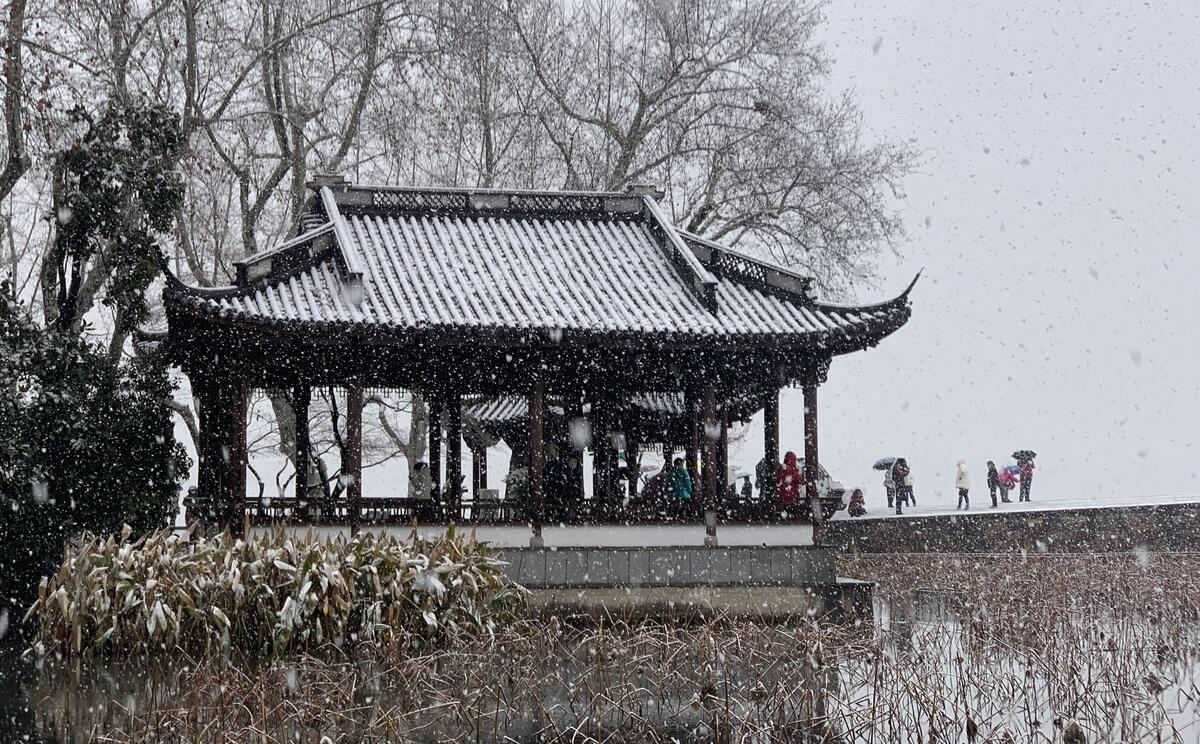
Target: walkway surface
point(981, 503)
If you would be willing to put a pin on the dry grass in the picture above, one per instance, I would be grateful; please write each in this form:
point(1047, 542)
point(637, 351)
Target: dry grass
point(272, 595)
point(1048, 649)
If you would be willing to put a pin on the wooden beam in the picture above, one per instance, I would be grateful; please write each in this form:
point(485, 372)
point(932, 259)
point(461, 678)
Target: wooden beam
point(353, 469)
point(536, 500)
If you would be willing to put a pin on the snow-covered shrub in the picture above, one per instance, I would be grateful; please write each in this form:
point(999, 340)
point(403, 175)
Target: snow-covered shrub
point(272, 594)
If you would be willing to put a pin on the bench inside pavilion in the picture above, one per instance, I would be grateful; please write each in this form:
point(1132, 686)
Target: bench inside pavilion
point(518, 309)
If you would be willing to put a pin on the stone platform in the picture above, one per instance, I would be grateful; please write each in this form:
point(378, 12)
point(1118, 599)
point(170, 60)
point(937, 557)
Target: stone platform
point(1103, 528)
point(579, 567)
point(777, 582)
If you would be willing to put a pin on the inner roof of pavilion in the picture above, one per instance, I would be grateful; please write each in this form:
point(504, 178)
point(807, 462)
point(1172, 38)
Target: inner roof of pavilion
point(492, 278)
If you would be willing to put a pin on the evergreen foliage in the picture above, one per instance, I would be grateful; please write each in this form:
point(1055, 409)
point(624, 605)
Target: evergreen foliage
point(84, 445)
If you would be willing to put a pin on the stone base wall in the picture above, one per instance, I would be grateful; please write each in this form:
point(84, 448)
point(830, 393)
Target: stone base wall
point(669, 567)
point(1164, 528)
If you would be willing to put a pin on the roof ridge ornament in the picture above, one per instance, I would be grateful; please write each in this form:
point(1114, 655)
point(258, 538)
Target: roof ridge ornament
point(348, 249)
point(700, 280)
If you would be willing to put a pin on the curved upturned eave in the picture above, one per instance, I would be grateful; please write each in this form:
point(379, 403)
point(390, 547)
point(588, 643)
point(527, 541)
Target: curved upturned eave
point(834, 341)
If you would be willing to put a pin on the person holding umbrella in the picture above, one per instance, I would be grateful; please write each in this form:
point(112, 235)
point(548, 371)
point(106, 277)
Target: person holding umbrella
point(901, 475)
point(889, 485)
point(1024, 460)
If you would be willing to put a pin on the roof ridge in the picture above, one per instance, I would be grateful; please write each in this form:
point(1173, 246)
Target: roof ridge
point(741, 266)
point(700, 280)
point(346, 244)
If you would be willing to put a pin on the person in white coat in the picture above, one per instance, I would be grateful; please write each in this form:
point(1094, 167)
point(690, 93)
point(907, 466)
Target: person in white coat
point(962, 481)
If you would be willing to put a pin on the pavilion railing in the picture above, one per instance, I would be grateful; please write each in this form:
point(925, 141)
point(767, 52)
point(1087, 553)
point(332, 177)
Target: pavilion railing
point(402, 511)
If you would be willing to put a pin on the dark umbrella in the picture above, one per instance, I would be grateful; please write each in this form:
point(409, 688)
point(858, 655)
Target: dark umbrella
point(1024, 455)
point(884, 463)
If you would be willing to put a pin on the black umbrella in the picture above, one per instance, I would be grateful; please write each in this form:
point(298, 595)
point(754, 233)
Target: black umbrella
point(1024, 455)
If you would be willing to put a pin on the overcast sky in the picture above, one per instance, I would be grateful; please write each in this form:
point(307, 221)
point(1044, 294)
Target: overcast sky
point(1055, 216)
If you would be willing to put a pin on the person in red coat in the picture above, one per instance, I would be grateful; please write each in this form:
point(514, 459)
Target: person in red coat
point(790, 480)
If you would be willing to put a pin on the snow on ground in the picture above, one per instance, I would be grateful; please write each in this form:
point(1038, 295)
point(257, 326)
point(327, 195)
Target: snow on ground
point(981, 503)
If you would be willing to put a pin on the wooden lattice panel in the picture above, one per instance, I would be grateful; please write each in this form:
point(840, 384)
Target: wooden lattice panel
point(731, 264)
point(437, 201)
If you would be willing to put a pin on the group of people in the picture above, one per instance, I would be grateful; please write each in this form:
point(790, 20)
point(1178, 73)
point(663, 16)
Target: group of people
point(779, 484)
point(1002, 481)
point(897, 483)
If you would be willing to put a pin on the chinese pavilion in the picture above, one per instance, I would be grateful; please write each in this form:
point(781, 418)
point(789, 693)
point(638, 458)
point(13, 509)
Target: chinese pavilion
point(594, 300)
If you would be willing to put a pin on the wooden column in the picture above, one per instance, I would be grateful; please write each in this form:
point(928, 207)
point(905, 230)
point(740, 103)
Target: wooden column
point(236, 455)
point(353, 469)
point(811, 463)
point(632, 463)
point(771, 427)
point(601, 456)
point(435, 445)
point(478, 471)
point(301, 396)
point(222, 451)
point(709, 443)
point(208, 461)
point(454, 456)
point(723, 459)
point(691, 447)
point(536, 395)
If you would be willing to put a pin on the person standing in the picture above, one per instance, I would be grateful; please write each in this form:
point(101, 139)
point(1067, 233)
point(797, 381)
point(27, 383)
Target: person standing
point(889, 486)
point(679, 486)
point(420, 492)
point(1026, 466)
point(789, 479)
point(1007, 483)
point(993, 481)
point(858, 504)
point(962, 481)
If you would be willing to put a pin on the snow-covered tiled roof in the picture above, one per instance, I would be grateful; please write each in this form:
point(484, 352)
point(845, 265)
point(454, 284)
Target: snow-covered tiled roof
point(520, 261)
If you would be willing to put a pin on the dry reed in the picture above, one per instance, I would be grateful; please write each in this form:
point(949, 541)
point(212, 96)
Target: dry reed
point(968, 649)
